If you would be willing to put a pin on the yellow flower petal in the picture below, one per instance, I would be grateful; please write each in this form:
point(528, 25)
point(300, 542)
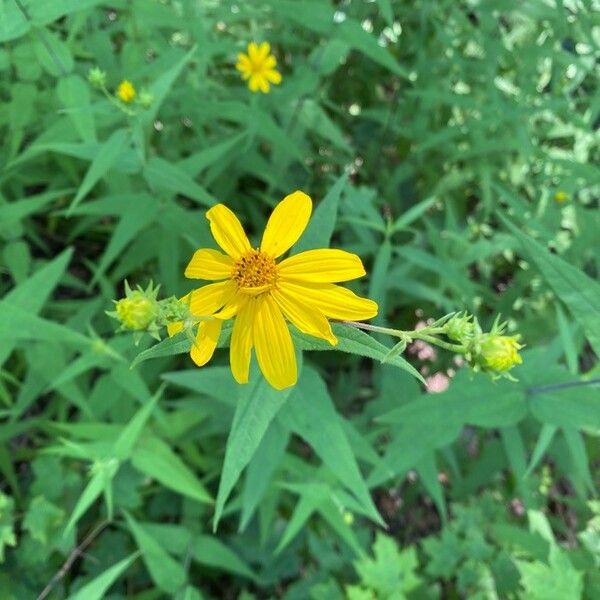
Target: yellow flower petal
point(207, 300)
point(174, 328)
point(206, 341)
point(241, 342)
point(326, 265)
point(232, 307)
point(334, 301)
point(286, 224)
point(228, 231)
point(305, 317)
point(273, 344)
point(273, 76)
point(209, 264)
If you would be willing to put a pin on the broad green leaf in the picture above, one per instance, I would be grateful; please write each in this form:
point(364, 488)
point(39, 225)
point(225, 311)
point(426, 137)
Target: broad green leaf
point(166, 573)
point(154, 458)
point(258, 404)
point(310, 414)
point(103, 161)
point(74, 93)
point(260, 470)
point(96, 589)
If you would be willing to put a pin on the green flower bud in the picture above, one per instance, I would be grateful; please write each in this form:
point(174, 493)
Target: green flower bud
point(460, 328)
point(499, 353)
point(97, 78)
point(145, 99)
point(136, 311)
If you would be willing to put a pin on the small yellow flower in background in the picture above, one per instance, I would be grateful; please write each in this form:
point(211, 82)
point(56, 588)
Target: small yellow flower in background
point(126, 92)
point(261, 293)
point(561, 197)
point(500, 353)
point(258, 67)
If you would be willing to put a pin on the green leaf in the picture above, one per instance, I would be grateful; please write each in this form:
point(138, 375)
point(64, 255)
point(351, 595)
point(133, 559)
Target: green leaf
point(130, 435)
point(322, 223)
point(261, 469)
point(33, 293)
point(257, 405)
point(354, 341)
point(19, 324)
point(310, 413)
point(103, 161)
point(580, 293)
point(209, 550)
point(7, 533)
point(162, 86)
point(557, 580)
point(96, 589)
point(166, 573)
point(103, 473)
point(74, 93)
point(154, 458)
point(169, 177)
point(43, 519)
point(352, 32)
point(391, 571)
point(178, 344)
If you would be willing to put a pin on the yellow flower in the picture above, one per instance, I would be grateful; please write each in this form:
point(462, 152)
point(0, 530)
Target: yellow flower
point(258, 67)
point(500, 352)
point(126, 92)
point(560, 197)
point(262, 294)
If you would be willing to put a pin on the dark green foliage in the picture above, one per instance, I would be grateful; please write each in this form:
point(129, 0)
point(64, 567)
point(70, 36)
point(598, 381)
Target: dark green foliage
point(452, 145)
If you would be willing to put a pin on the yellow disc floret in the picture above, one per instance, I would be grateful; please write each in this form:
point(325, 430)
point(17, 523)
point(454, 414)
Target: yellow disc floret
point(255, 269)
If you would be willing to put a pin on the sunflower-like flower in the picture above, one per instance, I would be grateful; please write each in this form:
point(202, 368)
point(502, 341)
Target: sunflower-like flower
point(500, 353)
point(262, 294)
point(258, 67)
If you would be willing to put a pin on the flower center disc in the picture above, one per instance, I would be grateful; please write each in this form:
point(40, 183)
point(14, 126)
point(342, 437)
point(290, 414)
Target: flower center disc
point(254, 270)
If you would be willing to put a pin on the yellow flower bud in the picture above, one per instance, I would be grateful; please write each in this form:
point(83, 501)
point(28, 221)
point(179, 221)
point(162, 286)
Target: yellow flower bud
point(126, 92)
point(500, 353)
point(136, 311)
point(560, 197)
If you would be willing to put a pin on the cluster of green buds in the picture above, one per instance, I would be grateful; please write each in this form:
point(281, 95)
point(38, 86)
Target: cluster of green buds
point(492, 352)
point(125, 94)
point(142, 312)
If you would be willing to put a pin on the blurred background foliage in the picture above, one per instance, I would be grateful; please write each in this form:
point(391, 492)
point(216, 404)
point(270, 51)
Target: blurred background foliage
point(452, 144)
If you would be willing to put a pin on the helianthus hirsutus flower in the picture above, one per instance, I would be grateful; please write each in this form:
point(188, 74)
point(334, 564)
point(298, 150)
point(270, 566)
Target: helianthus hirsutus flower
point(259, 67)
point(262, 295)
